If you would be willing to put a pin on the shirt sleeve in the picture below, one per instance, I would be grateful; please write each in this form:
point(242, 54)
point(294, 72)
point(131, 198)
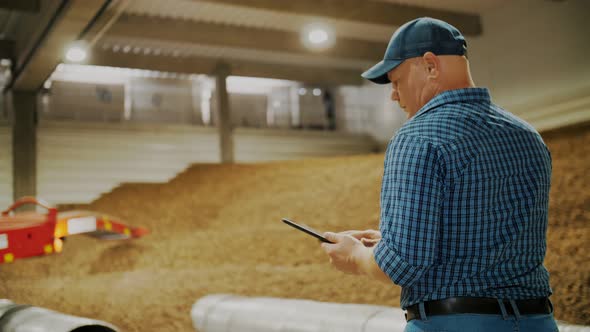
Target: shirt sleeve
point(411, 203)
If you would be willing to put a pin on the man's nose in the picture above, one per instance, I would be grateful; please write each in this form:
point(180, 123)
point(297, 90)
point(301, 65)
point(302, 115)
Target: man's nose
point(394, 95)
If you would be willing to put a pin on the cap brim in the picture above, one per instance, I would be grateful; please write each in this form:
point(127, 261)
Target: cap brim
point(378, 73)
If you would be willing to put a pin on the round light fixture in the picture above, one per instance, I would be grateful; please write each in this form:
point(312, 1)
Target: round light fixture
point(77, 52)
point(317, 36)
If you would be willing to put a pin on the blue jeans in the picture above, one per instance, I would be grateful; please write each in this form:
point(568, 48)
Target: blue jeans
point(483, 323)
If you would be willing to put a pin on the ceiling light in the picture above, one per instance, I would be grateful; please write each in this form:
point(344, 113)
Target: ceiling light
point(317, 36)
point(317, 92)
point(77, 52)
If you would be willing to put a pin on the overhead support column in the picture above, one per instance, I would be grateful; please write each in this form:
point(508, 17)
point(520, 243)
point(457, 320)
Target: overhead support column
point(226, 139)
point(24, 144)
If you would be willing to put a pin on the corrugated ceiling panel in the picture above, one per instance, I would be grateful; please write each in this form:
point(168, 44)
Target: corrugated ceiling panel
point(242, 16)
point(160, 47)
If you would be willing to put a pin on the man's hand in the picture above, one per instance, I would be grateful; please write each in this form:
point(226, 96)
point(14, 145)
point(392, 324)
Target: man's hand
point(345, 252)
point(348, 254)
point(369, 237)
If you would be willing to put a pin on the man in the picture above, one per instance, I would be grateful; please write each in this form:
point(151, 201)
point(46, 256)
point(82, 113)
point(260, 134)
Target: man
point(464, 197)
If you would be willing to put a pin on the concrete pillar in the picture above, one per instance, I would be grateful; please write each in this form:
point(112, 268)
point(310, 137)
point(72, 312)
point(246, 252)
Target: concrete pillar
point(226, 139)
point(24, 144)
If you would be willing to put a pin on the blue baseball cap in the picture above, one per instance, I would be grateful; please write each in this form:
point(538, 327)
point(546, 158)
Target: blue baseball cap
point(413, 39)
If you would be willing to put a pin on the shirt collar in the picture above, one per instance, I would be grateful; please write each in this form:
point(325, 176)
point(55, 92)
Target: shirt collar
point(453, 96)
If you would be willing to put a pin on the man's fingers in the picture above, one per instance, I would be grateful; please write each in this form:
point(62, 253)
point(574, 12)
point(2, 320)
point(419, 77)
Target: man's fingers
point(331, 237)
point(369, 242)
point(372, 234)
point(355, 234)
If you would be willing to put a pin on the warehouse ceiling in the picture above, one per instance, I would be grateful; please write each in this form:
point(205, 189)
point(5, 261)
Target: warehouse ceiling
point(259, 38)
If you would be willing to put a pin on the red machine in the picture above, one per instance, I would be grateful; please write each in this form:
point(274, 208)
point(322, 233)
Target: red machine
point(30, 234)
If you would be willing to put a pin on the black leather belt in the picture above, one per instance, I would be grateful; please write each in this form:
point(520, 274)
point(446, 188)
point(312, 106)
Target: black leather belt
point(479, 305)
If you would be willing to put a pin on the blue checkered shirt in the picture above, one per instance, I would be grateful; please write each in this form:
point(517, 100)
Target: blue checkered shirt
point(464, 203)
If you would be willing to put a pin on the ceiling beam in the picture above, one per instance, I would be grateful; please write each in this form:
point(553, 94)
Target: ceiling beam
point(21, 5)
point(103, 23)
point(192, 32)
point(204, 65)
point(68, 24)
point(375, 12)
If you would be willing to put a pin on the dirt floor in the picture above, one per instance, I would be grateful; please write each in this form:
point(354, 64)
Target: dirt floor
point(217, 229)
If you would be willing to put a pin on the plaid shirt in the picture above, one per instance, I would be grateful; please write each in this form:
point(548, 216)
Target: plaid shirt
point(464, 203)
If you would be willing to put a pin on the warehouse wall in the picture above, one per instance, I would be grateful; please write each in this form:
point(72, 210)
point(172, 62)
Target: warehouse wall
point(369, 109)
point(248, 110)
point(83, 102)
point(163, 101)
point(120, 98)
point(252, 145)
point(77, 162)
point(133, 96)
point(5, 165)
point(95, 136)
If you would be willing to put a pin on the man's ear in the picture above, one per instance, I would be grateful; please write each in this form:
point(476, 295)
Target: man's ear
point(432, 65)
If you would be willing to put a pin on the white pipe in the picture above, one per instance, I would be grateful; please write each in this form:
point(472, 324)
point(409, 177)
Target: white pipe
point(230, 313)
point(19, 318)
point(225, 313)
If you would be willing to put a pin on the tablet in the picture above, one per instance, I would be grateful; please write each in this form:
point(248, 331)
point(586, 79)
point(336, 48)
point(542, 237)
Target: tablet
point(306, 230)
